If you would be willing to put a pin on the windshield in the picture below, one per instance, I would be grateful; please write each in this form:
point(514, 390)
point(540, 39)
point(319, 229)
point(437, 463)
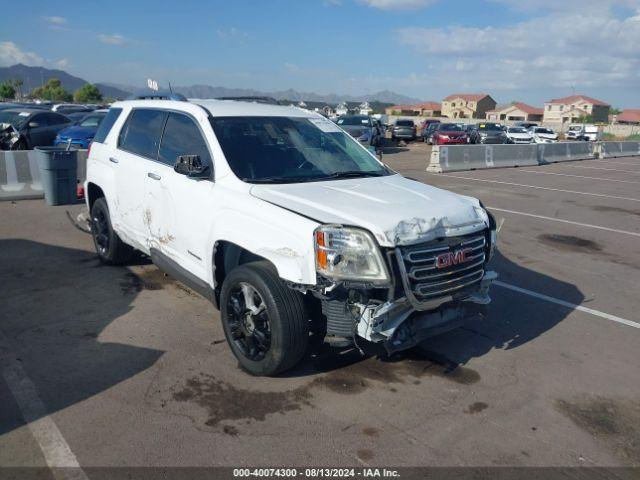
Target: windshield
point(291, 150)
point(91, 121)
point(450, 127)
point(353, 121)
point(490, 126)
point(574, 129)
point(404, 123)
point(14, 118)
point(517, 130)
point(544, 130)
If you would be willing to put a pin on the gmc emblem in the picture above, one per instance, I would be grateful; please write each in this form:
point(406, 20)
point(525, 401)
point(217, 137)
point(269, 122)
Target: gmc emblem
point(452, 258)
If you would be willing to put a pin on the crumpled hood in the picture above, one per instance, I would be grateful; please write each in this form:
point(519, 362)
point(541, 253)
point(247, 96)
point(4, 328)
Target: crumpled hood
point(396, 210)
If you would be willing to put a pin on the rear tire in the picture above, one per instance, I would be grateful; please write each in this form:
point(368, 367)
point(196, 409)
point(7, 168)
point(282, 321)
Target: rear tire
point(110, 249)
point(273, 338)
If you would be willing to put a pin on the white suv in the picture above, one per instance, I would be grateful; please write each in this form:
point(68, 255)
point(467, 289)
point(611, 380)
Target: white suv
point(288, 225)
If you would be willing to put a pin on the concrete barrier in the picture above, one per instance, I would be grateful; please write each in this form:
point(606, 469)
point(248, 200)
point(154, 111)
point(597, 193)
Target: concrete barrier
point(20, 176)
point(565, 152)
point(619, 149)
point(472, 157)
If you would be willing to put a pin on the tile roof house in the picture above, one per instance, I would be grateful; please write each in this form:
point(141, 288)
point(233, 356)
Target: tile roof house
point(426, 109)
point(517, 111)
point(570, 109)
point(629, 115)
point(467, 105)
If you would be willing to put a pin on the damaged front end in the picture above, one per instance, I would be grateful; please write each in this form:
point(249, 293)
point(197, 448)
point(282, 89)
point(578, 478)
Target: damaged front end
point(9, 137)
point(434, 286)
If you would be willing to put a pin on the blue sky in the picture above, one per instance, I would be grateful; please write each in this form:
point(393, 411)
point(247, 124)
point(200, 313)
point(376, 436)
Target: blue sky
point(515, 50)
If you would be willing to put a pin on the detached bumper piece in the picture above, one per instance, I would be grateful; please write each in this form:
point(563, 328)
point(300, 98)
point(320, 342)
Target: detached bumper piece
point(423, 325)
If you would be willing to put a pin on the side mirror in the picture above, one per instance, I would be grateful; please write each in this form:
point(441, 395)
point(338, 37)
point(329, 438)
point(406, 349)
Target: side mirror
point(191, 166)
point(33, 125)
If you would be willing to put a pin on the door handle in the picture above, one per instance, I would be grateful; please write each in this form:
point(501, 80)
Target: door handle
point(155, 176)
point(113, 160)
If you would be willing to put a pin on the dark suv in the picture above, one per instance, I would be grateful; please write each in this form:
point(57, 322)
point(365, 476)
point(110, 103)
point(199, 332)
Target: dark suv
point(404, 130)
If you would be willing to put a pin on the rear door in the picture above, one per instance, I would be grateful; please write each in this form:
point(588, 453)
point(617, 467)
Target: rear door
point(134, 161)
point(180, 208)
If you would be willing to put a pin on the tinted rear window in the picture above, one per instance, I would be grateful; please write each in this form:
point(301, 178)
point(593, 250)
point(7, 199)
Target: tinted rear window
point(107, 123)
point(141, 132)
point(405, 123)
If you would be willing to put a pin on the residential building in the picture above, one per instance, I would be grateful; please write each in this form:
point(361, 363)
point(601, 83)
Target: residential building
point(467, 105)
point(570, 109)
point(364, 108)
point(629, 116)
point(425, 109)
point(516, 111)
point(342, 109)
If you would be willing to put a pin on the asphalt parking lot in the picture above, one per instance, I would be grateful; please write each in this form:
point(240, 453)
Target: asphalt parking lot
point(114, 366)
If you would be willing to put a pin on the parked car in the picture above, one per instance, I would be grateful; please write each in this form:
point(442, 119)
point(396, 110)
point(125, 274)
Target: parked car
point(81, 133)
point(489, 133)
point(404, 130)
point(543, 135)
point(30, 127)
point(424, 127)
point(526, 125)
point(427, 134)
point(582, 132)
point(449, 133)
point(288, 242)
point(65, 108)
point(363, 128)
point(519, 135)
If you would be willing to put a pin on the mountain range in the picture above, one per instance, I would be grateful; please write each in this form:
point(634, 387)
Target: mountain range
point(33, 77)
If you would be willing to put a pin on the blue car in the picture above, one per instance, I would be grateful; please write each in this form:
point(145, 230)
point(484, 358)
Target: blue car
point(81, 133)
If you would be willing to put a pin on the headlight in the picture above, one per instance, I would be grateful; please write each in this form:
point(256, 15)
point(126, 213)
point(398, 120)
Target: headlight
point(493, 227)
point(344, 253)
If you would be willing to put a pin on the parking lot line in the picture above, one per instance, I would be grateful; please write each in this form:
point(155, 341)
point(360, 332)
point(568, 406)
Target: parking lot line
point(579, 176)
point(534, 186)
point(617, 163)
point(572, 306)
point(603, 168)
point(587, 225)
point(56, 451)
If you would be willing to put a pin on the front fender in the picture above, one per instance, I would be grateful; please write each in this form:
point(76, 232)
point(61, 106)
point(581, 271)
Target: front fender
point(282, 237)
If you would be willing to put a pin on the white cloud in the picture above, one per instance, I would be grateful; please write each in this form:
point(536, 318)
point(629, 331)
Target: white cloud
point(55, 20)
point(231, 33)
point(398, 4)
point(559, 49)
point(10, 54)
point(114, 39)
point(291, 67)
point(62, 63)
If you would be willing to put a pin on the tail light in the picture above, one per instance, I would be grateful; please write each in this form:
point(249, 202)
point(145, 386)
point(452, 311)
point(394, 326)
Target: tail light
point(89, 149)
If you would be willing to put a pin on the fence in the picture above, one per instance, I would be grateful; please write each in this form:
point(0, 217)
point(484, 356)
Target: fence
point(20, 176)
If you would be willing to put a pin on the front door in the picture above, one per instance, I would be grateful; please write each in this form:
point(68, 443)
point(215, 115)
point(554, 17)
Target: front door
point(180, 211)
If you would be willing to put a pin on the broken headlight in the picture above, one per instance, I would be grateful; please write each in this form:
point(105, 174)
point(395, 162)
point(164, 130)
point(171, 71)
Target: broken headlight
point(493, 229)
point(350, 254)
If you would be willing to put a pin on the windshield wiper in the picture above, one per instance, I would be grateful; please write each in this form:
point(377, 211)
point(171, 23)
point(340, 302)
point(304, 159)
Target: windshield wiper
point(352, 174)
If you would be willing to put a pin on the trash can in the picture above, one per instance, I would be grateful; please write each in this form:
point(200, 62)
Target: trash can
point(58, 174)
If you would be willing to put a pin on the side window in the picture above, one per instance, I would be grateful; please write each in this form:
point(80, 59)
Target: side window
point(141, 133)
point(182, 137)
point(106, 124)
point(56, 119)
point(42, 119)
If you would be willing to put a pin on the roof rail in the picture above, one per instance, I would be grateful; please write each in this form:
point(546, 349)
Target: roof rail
point(158, 96)
point(268, 100)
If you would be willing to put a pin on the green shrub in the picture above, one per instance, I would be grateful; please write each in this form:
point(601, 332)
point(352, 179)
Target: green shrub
point(635, 137)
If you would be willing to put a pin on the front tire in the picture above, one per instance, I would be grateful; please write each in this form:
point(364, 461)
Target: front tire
point(110, 249)
point(264, 321)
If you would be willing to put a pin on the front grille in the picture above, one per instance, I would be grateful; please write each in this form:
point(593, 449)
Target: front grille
point(426, 279)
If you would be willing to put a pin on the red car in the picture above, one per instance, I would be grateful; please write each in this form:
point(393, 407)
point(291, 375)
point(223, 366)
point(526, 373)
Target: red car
point(449, 133)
